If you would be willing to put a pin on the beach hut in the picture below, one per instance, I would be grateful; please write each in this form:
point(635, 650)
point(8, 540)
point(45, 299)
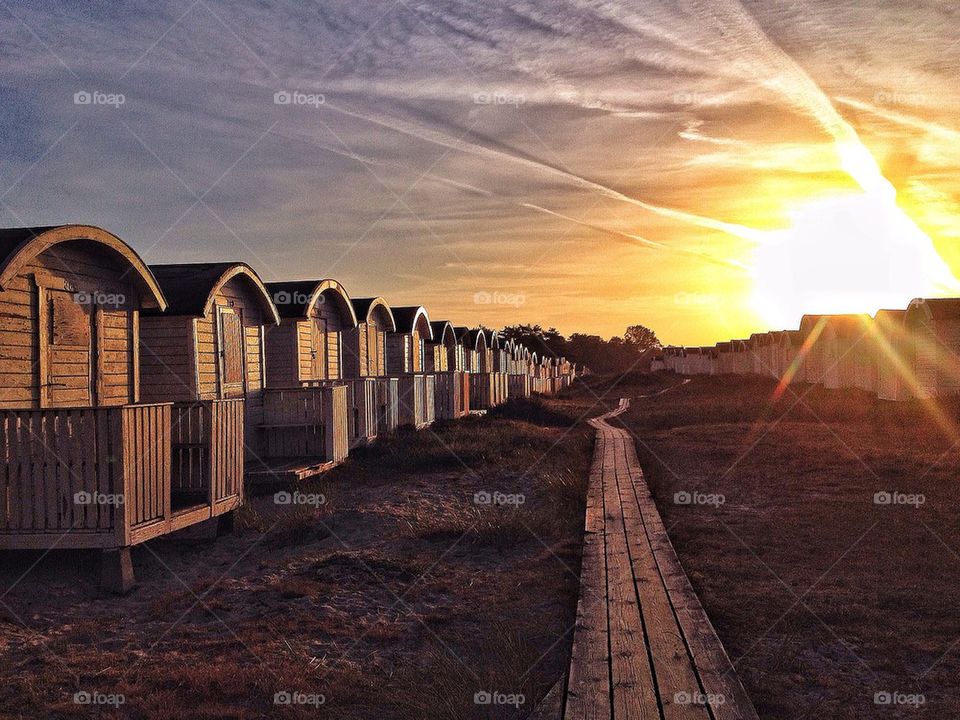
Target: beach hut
point(372, 405)
point(838, 349)
point(789, 363)
point(498, 369)
point(893, 355)
point(519, 377)
point(210, 346)
point(86, 460)
point(934, 332)
point(406, 361)
point(725, 358)
point(758, 347)
point(305, 402)
point(445, 360)
point(478, 363)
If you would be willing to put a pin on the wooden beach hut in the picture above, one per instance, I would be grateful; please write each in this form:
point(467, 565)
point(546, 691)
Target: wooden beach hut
point(208, 347)
point(86, 460)
point(406, 361)
point(725, 358)
point(893, 355)
point(934, 333)
point(372, 405)
point(478, 364)
point(305, 401)
point(445, 360)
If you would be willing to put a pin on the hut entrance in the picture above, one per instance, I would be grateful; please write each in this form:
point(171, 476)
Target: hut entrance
point(319, 349)
point(230, 337)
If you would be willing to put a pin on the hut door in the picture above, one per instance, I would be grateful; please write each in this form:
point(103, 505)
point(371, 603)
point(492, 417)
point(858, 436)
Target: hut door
point(318, 349)
point(66, 346)
point(230, 338)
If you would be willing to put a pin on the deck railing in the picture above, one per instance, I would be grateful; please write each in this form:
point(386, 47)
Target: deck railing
point(416, 398)
point(306, 422)
point(98, 477)
point(207, 452)
point(451, 395)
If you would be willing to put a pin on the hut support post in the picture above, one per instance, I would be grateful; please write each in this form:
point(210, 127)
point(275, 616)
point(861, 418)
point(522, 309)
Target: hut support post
point(116, 570)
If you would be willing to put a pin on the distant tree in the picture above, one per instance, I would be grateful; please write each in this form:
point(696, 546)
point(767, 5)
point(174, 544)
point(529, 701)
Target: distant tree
point(641, 337)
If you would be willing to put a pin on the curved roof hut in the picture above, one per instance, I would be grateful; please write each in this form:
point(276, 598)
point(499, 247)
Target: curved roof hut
point(725, 358)
point(844, 347)
point(405, 345)
point(307, 344)
point(475, 342)
point(441, 352)
point(365, 346)
point(71, 428)
point(934, 328)
point(209, 345)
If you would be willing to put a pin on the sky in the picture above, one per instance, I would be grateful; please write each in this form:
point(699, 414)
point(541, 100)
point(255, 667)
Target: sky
point(708, 168)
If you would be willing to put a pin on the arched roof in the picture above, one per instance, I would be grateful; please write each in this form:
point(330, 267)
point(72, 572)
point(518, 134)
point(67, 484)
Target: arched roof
point(298, 298)
point(191, 288)
point(18, 246)
point(475, 337)
point(493, 340)
point(443, 332)
point(408, 317)
point(366, 307)
point(936, 309)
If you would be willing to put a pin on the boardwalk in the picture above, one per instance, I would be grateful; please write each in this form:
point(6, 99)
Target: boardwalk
point(643, 646)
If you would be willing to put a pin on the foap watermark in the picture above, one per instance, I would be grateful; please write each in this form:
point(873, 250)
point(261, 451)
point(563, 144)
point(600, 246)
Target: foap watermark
point(97, 498)
point(97, 297)
point(283, 297)
point(698, 698)
point(287, 697)
point(897, 97)
point(499, 298)
point(895, 697)
point(496, 697)
point(693, 97)
point(299, 498)
point(97, 97)
point(698, 498)
point(298, 98)
point(898, 498)
point(485, 497)
point(87, 697)
point(498, 97)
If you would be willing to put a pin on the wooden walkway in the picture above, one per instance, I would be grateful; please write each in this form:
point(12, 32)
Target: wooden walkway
point(643, 646)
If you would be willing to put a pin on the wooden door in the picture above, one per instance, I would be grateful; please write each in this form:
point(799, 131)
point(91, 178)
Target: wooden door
point(318, 349)
point(333, 355)
point(231, 351)
point(67, 347)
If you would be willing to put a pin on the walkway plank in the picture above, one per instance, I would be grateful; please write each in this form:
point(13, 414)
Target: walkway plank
point(643, 646)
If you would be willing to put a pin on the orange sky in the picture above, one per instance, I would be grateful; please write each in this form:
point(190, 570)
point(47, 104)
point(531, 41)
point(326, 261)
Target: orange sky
point(709, 168)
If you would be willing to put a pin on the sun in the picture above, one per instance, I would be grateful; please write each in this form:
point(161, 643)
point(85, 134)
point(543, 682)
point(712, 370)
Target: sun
point(851, 253)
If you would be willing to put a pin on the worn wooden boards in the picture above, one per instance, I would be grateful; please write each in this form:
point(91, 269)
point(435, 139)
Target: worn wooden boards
point(643, 646)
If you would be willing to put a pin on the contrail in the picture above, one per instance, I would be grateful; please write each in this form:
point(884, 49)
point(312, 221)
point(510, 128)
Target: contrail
point(439, 138)
point(639, 239)
point(901, 118)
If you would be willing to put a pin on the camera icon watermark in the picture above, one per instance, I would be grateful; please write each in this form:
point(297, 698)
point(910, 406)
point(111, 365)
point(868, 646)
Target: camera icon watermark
point(895, 697)
point(292, 697)
point(499, 97)
point(499, 298)
point(97, 97)
point(299, 498)
point(697, 697)
point(898, 498)
point(103, 299)
point(685, 497)
point(495, 697)
point(97, 498)
point(297, 98)
point(485, 497)
point(86, 697)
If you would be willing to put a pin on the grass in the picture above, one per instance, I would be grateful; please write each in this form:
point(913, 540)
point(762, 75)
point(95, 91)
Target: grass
point(822, 597)
point(398, 596)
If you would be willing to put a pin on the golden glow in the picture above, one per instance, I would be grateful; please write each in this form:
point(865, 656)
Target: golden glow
point(854, 253)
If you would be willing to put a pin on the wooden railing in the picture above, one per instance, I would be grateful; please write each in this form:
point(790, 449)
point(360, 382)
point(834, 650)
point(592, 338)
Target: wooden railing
point(481, 390)
point(207, 452)
point(416, 397)
point(451, 395)
point(95, 476)
point(306, 422)
point(519, 385)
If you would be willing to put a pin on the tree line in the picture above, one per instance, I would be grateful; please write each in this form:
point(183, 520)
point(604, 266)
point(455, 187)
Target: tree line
point(616, 355)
